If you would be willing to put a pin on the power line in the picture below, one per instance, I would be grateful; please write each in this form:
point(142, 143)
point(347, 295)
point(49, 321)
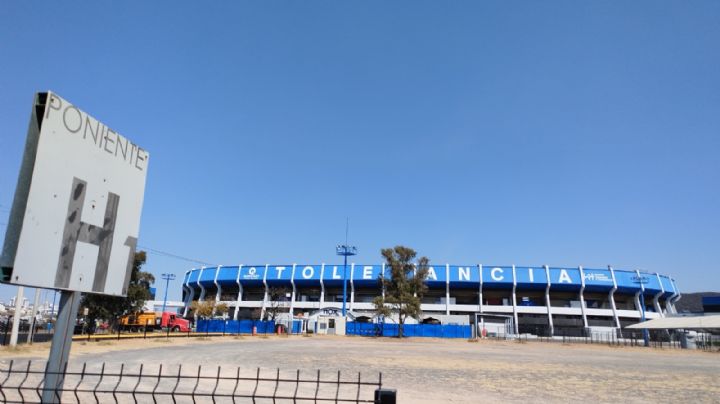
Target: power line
point(171, 255)
point(152, 250)
point(163, 253)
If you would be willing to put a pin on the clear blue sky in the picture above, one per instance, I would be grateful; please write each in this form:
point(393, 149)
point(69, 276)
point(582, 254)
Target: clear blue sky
point(564, 133)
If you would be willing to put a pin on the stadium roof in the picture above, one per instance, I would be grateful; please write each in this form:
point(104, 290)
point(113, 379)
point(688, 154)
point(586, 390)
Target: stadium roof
point(687, 323)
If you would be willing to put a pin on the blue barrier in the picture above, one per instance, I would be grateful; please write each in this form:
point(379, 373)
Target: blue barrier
point(409, 330)
point(353, 328)
point(236, 326)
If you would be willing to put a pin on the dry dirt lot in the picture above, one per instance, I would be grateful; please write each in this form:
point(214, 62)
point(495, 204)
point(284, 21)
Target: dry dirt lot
point(425, 370)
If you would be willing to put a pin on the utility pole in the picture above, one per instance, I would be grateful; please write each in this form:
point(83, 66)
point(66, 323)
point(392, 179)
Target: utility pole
point(36, 303)
point(16, 316)
point(168, 278)
point(345, 250)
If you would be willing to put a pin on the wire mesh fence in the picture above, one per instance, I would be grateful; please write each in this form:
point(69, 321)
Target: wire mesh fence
point(28, 332)
point(23, 382)
point(700, 341)
point(42, 334)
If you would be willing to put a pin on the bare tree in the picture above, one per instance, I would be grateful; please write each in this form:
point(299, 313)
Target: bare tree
point(277, 303)
point(221, 309)
point(202, 309)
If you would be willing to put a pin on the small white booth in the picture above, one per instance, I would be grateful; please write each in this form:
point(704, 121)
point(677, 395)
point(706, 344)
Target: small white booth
point(330, 325)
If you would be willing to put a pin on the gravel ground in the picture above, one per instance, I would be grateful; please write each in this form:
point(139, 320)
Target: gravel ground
point(425, 370)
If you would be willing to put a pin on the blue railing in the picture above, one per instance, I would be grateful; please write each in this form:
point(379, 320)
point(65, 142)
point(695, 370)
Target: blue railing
point(409, 330)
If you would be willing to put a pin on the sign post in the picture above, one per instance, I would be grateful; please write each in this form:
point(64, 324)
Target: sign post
point(75, 216)
point(60, 348)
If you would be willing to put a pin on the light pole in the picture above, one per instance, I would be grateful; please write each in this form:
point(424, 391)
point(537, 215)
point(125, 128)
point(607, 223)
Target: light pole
point(345, 250)
point(168, 278)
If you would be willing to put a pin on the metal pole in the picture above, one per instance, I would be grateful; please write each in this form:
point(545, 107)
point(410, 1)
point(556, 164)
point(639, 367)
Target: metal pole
point(344, 282)
point(16, 317)
point(52, 308)
point(646, 334)
point(60, 348)
point(36, 302)
point(345, 250)
point(167, 284)
point(168, 278)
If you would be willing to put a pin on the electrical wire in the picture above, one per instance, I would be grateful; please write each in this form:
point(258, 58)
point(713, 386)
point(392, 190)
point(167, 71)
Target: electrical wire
point(151, 250)
point(171, 255)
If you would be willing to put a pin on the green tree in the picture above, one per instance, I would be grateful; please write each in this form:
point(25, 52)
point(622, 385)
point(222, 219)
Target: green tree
point(405, 285)
point(103, 307)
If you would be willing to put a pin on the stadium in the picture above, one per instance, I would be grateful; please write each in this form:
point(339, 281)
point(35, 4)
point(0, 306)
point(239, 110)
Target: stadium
point(541, 300)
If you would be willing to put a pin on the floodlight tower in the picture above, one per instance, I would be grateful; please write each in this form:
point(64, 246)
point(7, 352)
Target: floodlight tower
point(345, 250)
point(167, 278)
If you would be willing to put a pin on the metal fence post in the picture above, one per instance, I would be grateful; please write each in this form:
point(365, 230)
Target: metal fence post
point(385, 396)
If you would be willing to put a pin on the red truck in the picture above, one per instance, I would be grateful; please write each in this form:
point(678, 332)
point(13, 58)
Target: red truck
point(153, 321)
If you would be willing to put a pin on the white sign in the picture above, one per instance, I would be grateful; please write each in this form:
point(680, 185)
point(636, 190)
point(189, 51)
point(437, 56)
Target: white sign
point(76, 214)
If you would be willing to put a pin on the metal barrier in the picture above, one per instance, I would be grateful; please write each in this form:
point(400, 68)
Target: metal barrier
point(23, 383)
point(409, 330)
point(610, 339)
point(234, 327)
point(39, 333)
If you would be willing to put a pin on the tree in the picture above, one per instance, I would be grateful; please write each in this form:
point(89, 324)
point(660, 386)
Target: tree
point(103, 307)
point(405, 285)
point(277, 303)
point(221, 309)
point(202, 309)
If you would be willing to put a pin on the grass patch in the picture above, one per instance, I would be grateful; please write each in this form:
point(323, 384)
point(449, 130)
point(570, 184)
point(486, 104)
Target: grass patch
point(162, 340)
point(105, 343)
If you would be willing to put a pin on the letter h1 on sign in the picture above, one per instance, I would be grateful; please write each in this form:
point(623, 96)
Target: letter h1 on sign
point(76, 214)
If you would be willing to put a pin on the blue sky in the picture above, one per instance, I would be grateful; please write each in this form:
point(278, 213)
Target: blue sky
point(529, 133)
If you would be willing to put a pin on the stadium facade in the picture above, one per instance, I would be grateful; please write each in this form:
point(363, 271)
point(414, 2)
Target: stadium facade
point(541, 300)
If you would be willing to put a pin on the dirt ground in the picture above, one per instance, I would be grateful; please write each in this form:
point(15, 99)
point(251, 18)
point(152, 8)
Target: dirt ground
point(426, 370)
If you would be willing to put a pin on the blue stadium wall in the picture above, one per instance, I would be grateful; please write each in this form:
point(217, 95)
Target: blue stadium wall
point(542, 300)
